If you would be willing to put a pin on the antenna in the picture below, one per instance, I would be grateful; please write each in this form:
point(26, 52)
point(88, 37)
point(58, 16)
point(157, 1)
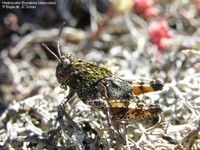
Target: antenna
point(58, 46)
point(51, 52)
point(58, 40)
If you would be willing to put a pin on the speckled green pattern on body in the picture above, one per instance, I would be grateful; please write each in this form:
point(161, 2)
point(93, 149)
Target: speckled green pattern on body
point(80, 75)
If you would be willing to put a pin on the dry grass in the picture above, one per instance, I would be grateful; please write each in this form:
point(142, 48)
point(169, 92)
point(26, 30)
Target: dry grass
point(30, 93)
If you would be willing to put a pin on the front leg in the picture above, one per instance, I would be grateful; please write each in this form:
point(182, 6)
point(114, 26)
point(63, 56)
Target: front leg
point(62, 112)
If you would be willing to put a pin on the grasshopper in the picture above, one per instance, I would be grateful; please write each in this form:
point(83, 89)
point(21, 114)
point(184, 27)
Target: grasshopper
point(100, 88)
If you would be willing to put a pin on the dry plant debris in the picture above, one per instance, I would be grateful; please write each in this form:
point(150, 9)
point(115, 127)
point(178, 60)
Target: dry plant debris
point(124, 40)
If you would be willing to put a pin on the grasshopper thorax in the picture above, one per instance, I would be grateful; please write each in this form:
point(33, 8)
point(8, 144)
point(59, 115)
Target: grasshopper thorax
point(78, 74)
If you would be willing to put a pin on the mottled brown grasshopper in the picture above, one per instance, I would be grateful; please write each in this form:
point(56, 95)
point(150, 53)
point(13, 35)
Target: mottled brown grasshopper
point(100, 88)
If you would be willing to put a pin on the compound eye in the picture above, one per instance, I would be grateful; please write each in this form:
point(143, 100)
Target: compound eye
point(65, 63)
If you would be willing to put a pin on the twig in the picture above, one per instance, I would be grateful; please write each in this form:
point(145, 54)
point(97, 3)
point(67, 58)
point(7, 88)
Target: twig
point(190, 137)
point(45, 36)
point(191, 51)
point(190, 105)
point(46, 142)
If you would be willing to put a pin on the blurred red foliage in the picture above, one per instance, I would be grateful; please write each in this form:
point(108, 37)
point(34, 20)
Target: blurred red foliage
point(159, 31)
point(145, 8)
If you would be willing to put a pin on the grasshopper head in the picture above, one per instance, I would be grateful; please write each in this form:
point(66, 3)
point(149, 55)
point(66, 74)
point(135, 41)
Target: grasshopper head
point(64, 69)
